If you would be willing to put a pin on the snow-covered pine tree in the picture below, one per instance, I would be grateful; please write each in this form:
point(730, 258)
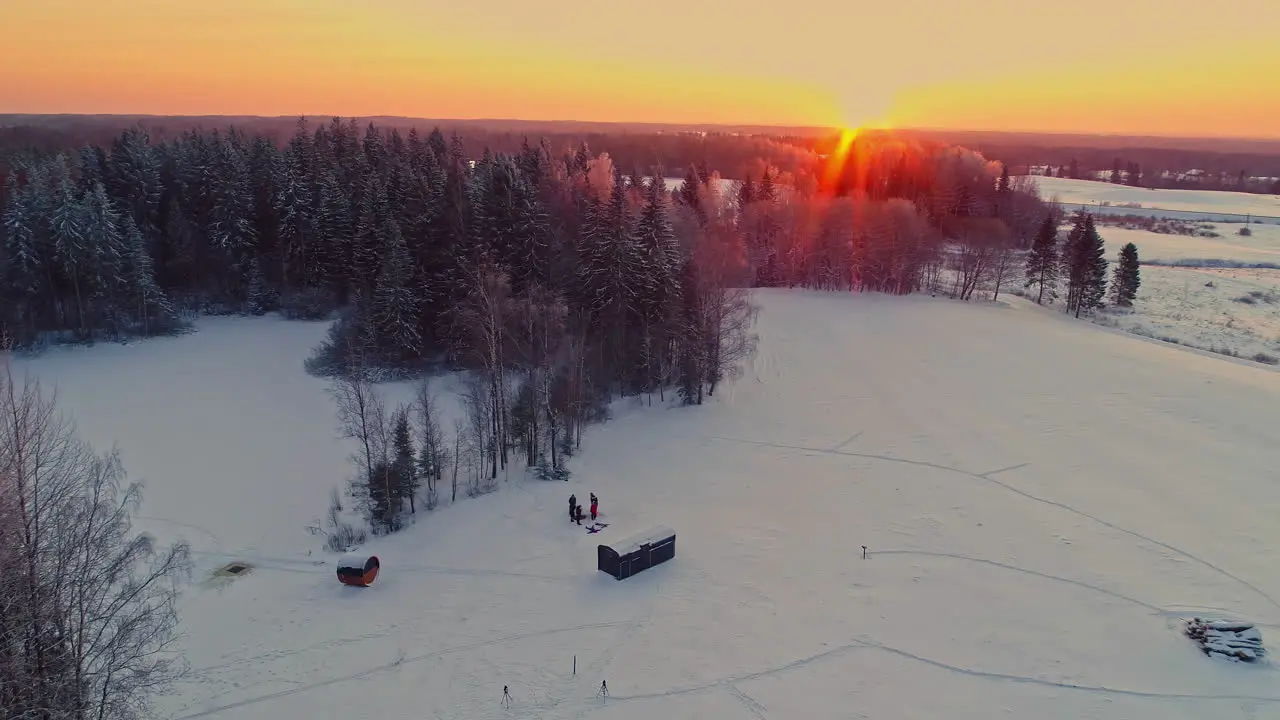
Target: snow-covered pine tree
point(294, 207)
point(405, 472)
point(1124, 286)
point(152, 309)
point(691, 337)
point(610, 271)
point(1043, 261)
point(266, 175)
point(533, 238)
point(1095, 265)
point(1085, 266)
point(1070, 260)
point(416, 151)
point(23, 268)
point(658, 286)
point(375, 150)
point(256, 300)
point(438, 146)
point(363, 268)
point(99, 263)
point(396, 302)
point(335, 230)
point(131, 174)
point(231, 229)
point(689, 193)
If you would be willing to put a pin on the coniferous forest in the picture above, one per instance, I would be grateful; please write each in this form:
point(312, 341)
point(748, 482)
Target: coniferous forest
point(557, 278)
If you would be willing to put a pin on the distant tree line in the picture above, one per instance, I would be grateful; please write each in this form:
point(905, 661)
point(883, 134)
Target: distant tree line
point(1073, 156)
point(888, 215)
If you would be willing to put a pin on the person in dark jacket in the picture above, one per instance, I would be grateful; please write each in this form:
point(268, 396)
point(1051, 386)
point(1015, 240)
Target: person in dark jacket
point(573, 507)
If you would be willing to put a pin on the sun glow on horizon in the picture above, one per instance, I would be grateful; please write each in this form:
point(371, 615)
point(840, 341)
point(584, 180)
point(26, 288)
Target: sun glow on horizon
point(839, 157)
point(503, 59)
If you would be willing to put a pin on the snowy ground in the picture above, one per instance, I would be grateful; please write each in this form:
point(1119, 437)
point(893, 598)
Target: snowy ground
point(1181, 204)
point(1041, 500)
point(1262, 246)
point(1226, 310)
point(1229, 311)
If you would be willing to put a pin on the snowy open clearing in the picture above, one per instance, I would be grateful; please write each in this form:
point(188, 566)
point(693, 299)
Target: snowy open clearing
point(1261, 246)
point(1225, 309)
point(1228, 310)
point(1042, 502)
point(1182, 204)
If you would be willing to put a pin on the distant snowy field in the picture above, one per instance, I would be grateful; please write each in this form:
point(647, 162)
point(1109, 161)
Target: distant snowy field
point(1181, 204)
point(1042, 501)
point(1227, 310)
point(1263, 246)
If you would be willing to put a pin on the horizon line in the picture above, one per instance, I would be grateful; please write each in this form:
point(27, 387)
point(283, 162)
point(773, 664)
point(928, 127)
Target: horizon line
point(652, 123)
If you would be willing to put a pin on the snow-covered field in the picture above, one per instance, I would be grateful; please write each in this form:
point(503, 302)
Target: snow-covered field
point(1227, 310)
point(1262, 246)
point(1041, 502)
point(1180, 204)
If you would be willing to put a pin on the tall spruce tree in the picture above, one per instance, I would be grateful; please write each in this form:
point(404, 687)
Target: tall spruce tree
point(1096, 267)
point(658, 292)
point(395, 300)
point(405, 469)
point(1085, 266)
point(1124, 286)
point(1043, 260)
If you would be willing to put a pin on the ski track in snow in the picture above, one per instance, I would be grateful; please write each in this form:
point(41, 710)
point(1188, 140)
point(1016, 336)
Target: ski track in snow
point(986, 477)
point(596, 669)
point(398, 662)
point(1175, 611)
point(870, 644)
point(750, 703)
point(217, 542)
point(280, 565)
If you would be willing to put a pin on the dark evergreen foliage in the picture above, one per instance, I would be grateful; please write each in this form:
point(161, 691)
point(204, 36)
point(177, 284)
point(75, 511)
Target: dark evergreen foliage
point(1085, 266)
point(1124, 286)
point(1043, 260)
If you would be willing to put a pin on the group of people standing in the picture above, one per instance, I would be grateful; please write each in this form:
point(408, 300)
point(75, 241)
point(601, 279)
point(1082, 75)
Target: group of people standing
point(575, 510)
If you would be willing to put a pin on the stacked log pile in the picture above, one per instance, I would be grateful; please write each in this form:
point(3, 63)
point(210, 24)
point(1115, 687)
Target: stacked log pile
point(1232, 640)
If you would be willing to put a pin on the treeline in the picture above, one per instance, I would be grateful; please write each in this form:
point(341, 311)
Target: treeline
point(559, 278)
point(892, 216)
point(1223, 161)
point(732, 154)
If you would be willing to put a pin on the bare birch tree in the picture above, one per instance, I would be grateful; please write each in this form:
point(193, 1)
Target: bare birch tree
point(433, 453)
point(477, 438)
point(363, 417)
point(483, 318)
point(87, 606)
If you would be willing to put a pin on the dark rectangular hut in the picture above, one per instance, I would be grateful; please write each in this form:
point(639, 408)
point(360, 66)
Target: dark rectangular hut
point(631, 555)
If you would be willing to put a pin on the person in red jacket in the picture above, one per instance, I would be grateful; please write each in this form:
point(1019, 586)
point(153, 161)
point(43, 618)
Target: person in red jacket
point(595, 506)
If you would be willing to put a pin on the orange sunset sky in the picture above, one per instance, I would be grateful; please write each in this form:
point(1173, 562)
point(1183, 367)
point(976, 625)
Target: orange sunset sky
point(1121, 66)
